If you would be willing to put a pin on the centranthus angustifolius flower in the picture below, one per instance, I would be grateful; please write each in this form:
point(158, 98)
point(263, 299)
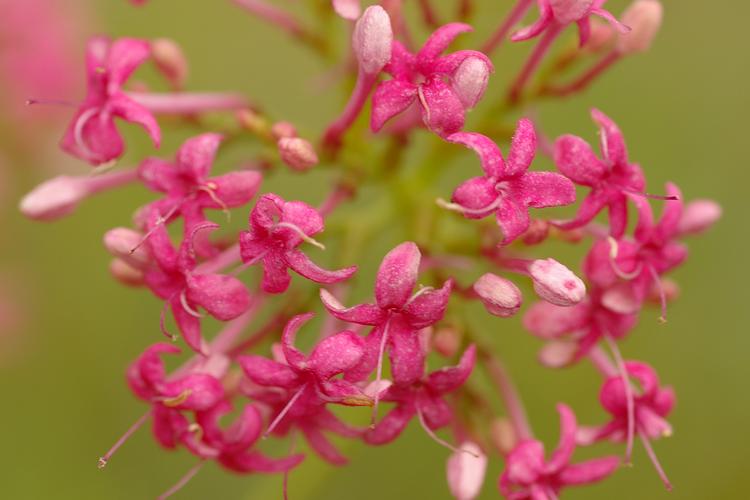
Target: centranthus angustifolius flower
point(415, 346)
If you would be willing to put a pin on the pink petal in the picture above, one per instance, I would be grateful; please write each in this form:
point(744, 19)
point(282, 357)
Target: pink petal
point(233, 189)
point(254, 461)
point(189, 325)
point(224, 297)
point(546, 189)
point(323, 447)
point(406, 353)
point(590, 207)
point(124, 56)
point(304, 217)
point(336, 354)
point(522, 148)
point(450, 63)
point(391, 98)
point(437, 414)
point(148, 372)
point(525, 463)
point(97, 49)
point(293, 356)
point(699, 216)
point(202, 392)
point(442, 110)
point(428, 307)
point(157, 174)
point(363, 314)
point(567, 444)
point(302, 264)
point(590, 471)
point(513, 219)
point(275, 276)
point(548, 321)
point(197, 154)
point(268, 373)
point(169, 426)
point(489, 154)
point(266, 213)
point(449, 379)
point(541, 24)
point(478, 194)
point(576, 160)
point(568, 11)
point(390, 426)
point(440, 39)
point(613, 142)
point(645, 225)
point(397, 275)
point(100, 140)
point(668, 226)
point(132, 112)
point(618, 216)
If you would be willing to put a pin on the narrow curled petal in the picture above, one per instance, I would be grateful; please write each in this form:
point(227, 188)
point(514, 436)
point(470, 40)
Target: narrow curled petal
point(576, 160)
point(549, 321)
point(427, 306)
point(196, 155)
point(323, 446)
point(522, 148)
point(440, 39)
point(567, 444)
point(293, 356)
point(336, 354)
point(390, 99)
point(189, 325)
point(123, 57)
point(397, 275)
point(613, 142)
point(224, 297)
point(363, 314)
point(269, 373)
point(302, 264)
point(590, 471)
point(132, 112)
point(451, 378)
point(489, 154)
point(390, 426)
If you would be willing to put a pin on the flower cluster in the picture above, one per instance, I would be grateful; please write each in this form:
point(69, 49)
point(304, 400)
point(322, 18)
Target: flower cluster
point(376, 353)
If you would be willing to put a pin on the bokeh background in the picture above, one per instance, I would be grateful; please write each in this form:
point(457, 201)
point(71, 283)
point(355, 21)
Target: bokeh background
point(68, 330)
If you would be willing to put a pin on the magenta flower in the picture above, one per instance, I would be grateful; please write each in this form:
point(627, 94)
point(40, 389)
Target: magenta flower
point(277, 228)
point(308, 384)
point(186, 184)
point(92, 135)
point(176, 279)
point(397, 316)
point(557, 14)
point(427, 78)
point(507, 188)
point(611, 178)
point(422, 398)
point(529, 476)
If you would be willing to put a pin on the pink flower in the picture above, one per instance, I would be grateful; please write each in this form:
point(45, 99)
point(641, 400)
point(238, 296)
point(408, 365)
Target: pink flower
point(397, 315)
point(611, 179)
point(176, 279)
point(422, 398)
point(308, 384)
point(443, 92)
point(556, 14)
point(507, 188)
point(277, 228)
point(529, 475)
point(92, 135)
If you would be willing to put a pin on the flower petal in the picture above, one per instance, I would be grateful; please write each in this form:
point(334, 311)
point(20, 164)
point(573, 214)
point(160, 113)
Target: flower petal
point(302, 264)
point(189, 325)
point(124, 56)
point(363, 314)
point(391, 98)
point(513, 219)
point(254, 461)
point(336, 354)
point(546, 189)
point(567, 444)
point(197, 154)
point(522, 148)
point(234, 189)
point(440, 39)
point(224, 297)
point(451, 378)
point(428, 306)
point(489, 154)
point(576, 160)
point(397, 275)
point(268, 373)
point(442, 109)
point(275, 276)
point(613, 142)
point(132, 112)
point(322, 446)
point(477, 194)
point(548, 321)
point(157, 174)
point(590, 471)
point(390, 426)
point(406, 353)
point(293, 356)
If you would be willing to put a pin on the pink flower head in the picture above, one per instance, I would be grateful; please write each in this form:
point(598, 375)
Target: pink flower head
point(423, 398)
point(557, 14)
point(187, 185)
point(529, 475)
point(277, 228)
point(507, 188)
point(92, 135)
point(177, 279)
point(572, 331)
point(308, 384)
point(611, 178)
point(397, 315)
point(443, 91)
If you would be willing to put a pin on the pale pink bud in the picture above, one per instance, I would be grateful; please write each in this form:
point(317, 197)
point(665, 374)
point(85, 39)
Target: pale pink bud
point(446, 341)
point(501, 297)
point(372, 40)
point(465, 471)
point(644, 18)
point(537, 232)
point(125, 273)
point(125, 244)
point(555, 283)
point(666, 289)
point(503, 435)
point(297, 153)
point(348, 9)
point(470, 80)
point(170, 60)
point(557, 353)
point(602, 35)
point(54, 198)
point(698, 216)
point(280, 130)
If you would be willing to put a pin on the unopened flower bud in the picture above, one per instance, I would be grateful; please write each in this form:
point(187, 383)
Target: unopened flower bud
point(54, 199)
point(280, 130)
point(503, 435)
point(372, 40)
point(557, 353)
point(555, 283)
point(602, 35)
point(446, 341)
point(252, 121)
point(644, 18)
point(470, 80)
point(698, 216)
point(125, 244)
point(537, 232)
point(297, 153)
point(348, 9)
point(170, 60)
point(665, 288)
point(125, 273)
point(501, 297)
point(465, 471)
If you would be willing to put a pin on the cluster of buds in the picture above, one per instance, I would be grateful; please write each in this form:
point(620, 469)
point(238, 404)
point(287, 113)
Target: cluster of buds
point(376, 352)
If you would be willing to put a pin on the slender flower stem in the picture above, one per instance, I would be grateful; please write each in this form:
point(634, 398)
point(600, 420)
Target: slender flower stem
point(282, 19)
point(602, 362)
point(183, 481)
point(583, 81)
point(104, 182)
point(103, 460)
point(535, 59)
point(341, 192)
point(189, 103)
point(227, 258)
point(514, 17)
point(510, 396)
point(332, 136)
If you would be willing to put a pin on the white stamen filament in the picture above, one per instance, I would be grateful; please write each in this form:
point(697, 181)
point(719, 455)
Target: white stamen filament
point(183, 481)
point(301, 234)
point(630, 402)
point(186, 306)
point(379, 374)
point(78, 131)
point(455, 207)
point(284, 411)
point(614, 250)
point(437, 439)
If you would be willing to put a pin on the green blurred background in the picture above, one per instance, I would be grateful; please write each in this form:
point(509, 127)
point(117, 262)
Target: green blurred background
point(683, 107)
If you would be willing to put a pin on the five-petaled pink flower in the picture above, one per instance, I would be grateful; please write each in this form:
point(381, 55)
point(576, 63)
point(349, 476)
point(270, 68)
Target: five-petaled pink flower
point(397, 316)
point(507, 188)
point(611, 179)
point(92, 135)
point(428, 78)
point(277, 228)
point(557, 14)
point(529, 476)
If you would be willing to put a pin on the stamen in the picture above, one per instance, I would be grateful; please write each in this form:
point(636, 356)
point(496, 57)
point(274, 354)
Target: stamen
point(379, 374)
point(163, 320)
point(301, 234)
point(161, 220)
point(650, 196)
point(249, 263)
point(655, 461)
point(614, 250)
point(662, 294)
point(197, 229)
point(437, 439)
point(182, 482)
point(209, 189)
point(103, 460)
point(283, 412)
point(628, 397)
point(78, 131)
point(455, 207)
point(186, 306)
point(176, 400)
point(423, 101)
point(51, 102)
